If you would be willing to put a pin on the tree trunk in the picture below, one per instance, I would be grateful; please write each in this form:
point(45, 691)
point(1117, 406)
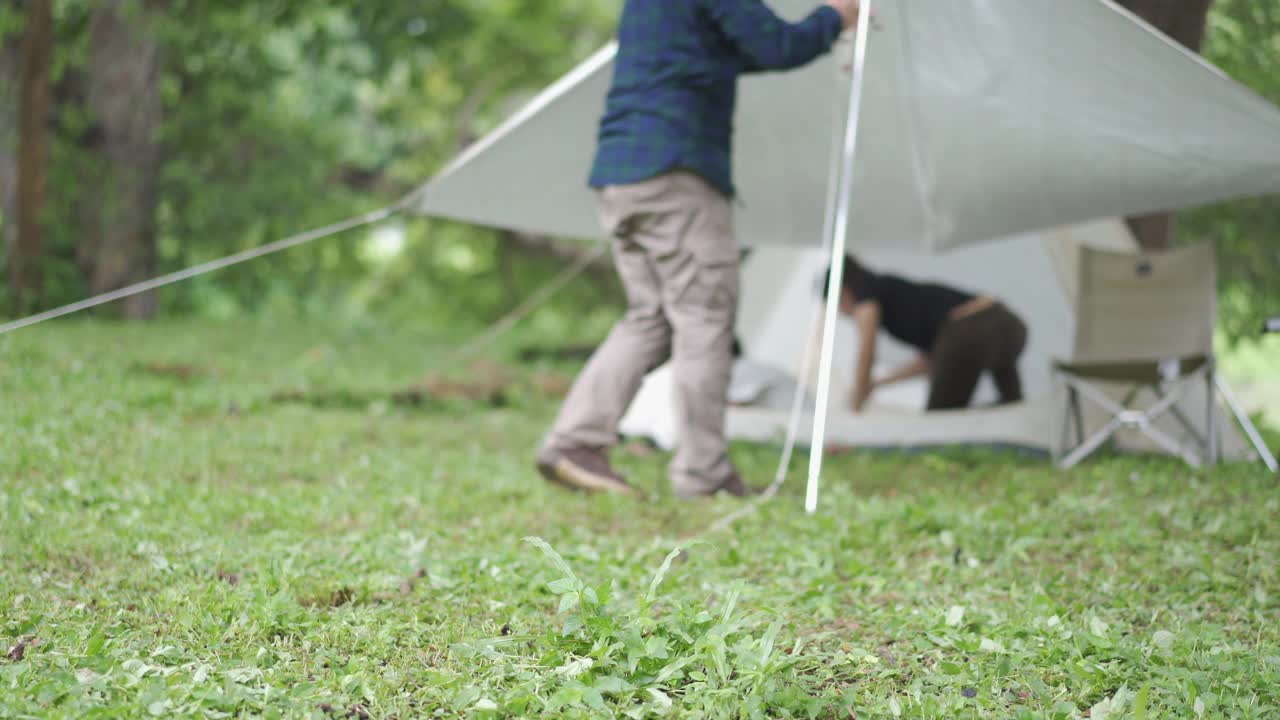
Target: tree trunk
point(1184, 21)
point(8, 146)
point(118, 211)
point(25, 260)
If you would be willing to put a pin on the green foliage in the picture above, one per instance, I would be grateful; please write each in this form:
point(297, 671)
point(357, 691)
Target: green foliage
point(283, 116)
point(12, 21)
point(1244, 40)
point(174, 542)
point(275, 106)
point(642, 660)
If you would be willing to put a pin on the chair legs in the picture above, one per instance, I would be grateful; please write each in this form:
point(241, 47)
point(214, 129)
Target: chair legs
point(1094, 442)
point(1211, 417)
point(1247, 425)
point(1075, 447)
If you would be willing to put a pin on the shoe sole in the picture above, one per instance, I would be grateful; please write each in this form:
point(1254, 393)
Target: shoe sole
point(564, 473)
point(736, 490)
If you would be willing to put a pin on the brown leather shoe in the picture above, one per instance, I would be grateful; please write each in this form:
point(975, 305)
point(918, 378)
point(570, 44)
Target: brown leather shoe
point(584, 469)
point(736, 487)
point(731, 485)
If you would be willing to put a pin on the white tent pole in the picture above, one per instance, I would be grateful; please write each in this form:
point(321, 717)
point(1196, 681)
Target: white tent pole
point(815, 319)
point(840, 229)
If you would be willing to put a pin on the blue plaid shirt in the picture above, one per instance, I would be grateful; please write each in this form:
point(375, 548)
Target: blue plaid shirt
point(675, 82)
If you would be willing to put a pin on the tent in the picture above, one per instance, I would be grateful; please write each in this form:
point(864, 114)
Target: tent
point(780, 302)
point(978, 123)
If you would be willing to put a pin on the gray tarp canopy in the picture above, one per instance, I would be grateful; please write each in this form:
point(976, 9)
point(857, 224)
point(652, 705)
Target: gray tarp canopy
point(980, 120)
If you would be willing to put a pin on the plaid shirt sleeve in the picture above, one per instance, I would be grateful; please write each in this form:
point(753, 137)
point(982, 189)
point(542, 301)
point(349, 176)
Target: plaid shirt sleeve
point(766, 42)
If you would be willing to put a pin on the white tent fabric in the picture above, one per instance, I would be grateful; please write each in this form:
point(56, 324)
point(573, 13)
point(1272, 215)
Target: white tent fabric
point(983, 126)
point(780, 299)
point(980, 120)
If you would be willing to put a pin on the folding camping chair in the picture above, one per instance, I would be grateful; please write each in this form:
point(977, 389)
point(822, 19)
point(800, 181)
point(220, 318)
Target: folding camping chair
point(1144, 321)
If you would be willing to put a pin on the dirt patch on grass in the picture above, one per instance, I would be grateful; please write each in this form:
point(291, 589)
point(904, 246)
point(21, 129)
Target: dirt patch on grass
point(330, 399)
point(355, 711)
point(552, 384)
point(19, 652)
point(564, 353)
point(344, 595)
point(183, 372)
point(407, 585)
point(481, 391)
point(484, 384)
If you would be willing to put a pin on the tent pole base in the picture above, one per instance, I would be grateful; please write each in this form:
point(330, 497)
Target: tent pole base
point(840, 231)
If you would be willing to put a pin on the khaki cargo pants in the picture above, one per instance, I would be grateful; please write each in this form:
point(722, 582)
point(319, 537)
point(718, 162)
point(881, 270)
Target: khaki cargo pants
point(674, 249)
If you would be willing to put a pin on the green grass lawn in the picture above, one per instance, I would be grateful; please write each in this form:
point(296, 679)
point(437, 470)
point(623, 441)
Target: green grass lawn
point(240, 520)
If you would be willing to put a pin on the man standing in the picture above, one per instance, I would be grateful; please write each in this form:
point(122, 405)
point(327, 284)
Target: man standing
point(664, 187)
